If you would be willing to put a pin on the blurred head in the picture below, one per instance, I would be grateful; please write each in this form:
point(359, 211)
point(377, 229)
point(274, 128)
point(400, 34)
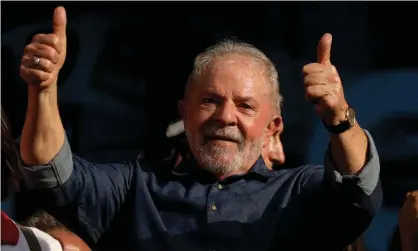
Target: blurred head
point(48, 224)
point(10, 162)
point(230, 107)
point(273, 153)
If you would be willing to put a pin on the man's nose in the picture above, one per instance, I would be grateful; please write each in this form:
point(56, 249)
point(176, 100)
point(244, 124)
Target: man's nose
point(226, 114)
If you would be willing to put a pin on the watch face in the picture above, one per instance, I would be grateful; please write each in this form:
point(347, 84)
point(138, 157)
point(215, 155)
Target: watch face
point(351, 116)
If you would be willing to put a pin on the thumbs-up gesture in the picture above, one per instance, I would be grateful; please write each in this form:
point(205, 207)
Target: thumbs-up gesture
point(45, 55)
point(323, 85)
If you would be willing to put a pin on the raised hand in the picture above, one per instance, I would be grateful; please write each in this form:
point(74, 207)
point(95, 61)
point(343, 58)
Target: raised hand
point(44, 57)
point(323, 85)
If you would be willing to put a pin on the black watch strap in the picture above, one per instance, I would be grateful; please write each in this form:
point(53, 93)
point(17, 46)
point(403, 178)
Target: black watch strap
point(350, 120)
point(338, 129)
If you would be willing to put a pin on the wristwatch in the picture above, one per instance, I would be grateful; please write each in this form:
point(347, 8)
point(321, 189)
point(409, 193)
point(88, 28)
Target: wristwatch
point(350, 121)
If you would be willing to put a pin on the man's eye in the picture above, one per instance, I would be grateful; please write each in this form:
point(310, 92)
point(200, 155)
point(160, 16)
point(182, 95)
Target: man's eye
point(208, 100)
point(246, 106)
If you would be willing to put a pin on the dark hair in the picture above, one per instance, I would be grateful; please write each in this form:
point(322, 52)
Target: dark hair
point(43, 221)
point(9, 156)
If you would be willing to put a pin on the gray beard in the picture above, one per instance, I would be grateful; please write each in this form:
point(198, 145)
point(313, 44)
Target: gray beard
point(221, 161)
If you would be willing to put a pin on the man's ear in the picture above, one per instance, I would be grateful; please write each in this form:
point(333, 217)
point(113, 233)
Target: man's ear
point(181, 108)
point(275, 126)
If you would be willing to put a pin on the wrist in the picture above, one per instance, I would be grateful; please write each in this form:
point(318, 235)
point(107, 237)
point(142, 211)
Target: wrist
point(336, 117)
point(38, 95)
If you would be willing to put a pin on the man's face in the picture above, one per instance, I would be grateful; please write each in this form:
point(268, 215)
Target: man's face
point(228, 115)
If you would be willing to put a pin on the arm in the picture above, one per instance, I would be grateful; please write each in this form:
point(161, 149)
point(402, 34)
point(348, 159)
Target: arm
point(43, 133)
point(355, 198)
point(88, 193)
point(349, 149)
point(340, 207)
point(350, 194)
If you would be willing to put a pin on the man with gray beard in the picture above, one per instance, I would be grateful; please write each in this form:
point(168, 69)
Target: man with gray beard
point(224, 198)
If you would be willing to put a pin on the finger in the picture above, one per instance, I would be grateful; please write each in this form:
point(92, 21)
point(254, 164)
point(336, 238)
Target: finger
point(59, 22)
point(321, 78)
point(33, 76)
point(316, 92)
point(43, 64)
point(324, 49)
point(314, 67)
point(41, 51)
point(51, 40)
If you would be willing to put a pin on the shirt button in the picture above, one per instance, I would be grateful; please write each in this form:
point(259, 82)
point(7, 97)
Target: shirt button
point(213, 208)
point(220, 187)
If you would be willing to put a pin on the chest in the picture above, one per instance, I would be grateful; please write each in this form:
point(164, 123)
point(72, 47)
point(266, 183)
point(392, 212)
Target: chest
point(242, 215)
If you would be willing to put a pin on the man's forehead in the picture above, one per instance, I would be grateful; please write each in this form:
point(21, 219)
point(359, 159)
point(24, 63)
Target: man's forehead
point(236, 69)
point(236, 60)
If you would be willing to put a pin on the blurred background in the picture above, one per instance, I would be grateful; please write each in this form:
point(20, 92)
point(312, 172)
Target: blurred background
point(127, 64)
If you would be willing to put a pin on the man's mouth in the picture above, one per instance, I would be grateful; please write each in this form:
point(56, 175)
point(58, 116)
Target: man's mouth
point(221, 138)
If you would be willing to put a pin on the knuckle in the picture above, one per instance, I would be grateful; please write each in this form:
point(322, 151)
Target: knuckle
point(37, 37)
point(44, 76)
point(49, 66)
point(29, 48)
point(54, 40)
point(22, 70)
point(50, 53)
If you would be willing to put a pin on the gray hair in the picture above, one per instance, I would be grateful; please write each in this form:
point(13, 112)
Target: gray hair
point(205, 59)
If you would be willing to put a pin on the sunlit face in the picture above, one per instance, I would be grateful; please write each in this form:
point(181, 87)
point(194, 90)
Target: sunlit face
point(228, 115)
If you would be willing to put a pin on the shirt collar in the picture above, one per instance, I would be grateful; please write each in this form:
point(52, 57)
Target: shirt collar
point(190, 168)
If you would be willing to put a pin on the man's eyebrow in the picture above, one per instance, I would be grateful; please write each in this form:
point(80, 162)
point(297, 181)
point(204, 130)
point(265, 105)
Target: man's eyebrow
point(213, 93)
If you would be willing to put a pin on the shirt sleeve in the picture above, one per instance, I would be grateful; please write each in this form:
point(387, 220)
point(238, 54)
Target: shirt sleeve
point(90, 194)
point(368, 177)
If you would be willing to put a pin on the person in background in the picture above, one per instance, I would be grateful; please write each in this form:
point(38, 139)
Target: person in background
point(47, 223)
point(15, 237)
point(406, 235)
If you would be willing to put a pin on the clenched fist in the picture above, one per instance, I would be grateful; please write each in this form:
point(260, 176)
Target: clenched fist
point(323, 85)
point(45, 55)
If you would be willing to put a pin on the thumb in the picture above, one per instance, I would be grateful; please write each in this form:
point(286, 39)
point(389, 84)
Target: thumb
point(59, 22)
point(324, 49)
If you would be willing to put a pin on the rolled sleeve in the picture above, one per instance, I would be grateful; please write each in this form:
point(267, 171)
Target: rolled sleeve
point(53, 174)
point(366, 179)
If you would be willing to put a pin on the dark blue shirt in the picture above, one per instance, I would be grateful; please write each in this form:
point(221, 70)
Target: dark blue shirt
point(151, 207)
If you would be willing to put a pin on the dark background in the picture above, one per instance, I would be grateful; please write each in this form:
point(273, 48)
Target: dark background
point(127, 63)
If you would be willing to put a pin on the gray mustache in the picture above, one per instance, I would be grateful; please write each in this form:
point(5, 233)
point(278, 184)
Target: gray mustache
point(227, 133)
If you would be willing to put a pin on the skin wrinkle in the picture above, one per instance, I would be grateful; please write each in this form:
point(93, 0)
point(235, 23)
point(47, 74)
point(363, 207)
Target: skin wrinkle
point(252, 63)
